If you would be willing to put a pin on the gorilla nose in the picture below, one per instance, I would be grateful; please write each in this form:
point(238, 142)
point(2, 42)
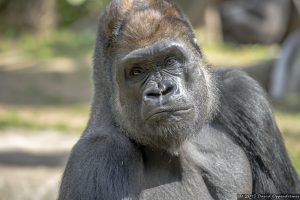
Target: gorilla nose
point(161, 92)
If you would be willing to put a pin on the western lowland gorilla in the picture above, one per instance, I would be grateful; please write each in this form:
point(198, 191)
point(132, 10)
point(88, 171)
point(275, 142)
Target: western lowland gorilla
point(164, 125)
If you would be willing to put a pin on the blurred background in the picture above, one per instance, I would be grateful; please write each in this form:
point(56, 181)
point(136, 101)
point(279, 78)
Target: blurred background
point(45, 76)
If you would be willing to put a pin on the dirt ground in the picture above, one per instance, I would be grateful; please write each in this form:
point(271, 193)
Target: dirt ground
point(31, 164)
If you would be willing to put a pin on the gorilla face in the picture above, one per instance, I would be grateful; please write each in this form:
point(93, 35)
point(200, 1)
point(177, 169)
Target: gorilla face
point(159, 93)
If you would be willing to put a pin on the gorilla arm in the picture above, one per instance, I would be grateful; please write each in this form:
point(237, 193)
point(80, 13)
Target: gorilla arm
point(246, 113)
point(102, 166)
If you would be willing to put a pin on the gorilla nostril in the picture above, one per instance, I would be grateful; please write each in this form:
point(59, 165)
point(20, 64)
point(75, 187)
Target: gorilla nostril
point(168, 90)
point(159, 92)
point(153, 94)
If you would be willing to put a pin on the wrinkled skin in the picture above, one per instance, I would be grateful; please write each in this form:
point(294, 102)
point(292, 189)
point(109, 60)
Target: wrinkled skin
point(156, 90)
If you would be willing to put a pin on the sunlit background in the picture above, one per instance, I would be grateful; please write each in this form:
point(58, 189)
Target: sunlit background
point(45, 76)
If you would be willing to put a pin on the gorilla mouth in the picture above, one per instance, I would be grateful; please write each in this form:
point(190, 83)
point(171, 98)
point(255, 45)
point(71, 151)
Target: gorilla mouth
point(167, 112)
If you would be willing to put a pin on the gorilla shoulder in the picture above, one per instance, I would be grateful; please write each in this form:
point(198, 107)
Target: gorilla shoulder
point(240, 91)
point(245, 111)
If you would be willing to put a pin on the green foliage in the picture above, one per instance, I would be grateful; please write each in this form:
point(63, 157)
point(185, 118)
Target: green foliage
point(16, 118)
point(61, 43)
point(289, 125)
point(13, 120)
point(230, 54)
point(296, 161)
point(70, 10)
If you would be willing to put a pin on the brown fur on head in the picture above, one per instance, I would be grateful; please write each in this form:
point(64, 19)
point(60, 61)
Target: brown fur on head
point(138, 23)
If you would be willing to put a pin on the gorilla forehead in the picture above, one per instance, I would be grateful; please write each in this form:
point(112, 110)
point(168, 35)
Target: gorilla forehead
point(135, 24)
point(147, 26)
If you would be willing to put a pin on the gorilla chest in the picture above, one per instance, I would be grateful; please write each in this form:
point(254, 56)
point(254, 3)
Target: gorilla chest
point(209, 166)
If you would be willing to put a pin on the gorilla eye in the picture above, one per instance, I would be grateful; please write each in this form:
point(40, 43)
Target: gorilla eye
point(170, 61)
point(136, 71)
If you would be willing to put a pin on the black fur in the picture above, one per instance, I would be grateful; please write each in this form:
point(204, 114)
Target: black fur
point(246, 112)
point(103, 166)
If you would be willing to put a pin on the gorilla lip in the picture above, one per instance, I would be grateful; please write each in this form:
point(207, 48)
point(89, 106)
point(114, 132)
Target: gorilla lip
point(162, 111)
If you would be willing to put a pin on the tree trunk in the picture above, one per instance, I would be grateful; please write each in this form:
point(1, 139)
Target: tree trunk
point(35, 16)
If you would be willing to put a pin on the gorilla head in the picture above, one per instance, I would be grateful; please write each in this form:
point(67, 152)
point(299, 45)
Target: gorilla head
point(156, 68)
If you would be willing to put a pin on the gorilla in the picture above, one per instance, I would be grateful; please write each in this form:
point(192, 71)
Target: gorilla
point(164, 125)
